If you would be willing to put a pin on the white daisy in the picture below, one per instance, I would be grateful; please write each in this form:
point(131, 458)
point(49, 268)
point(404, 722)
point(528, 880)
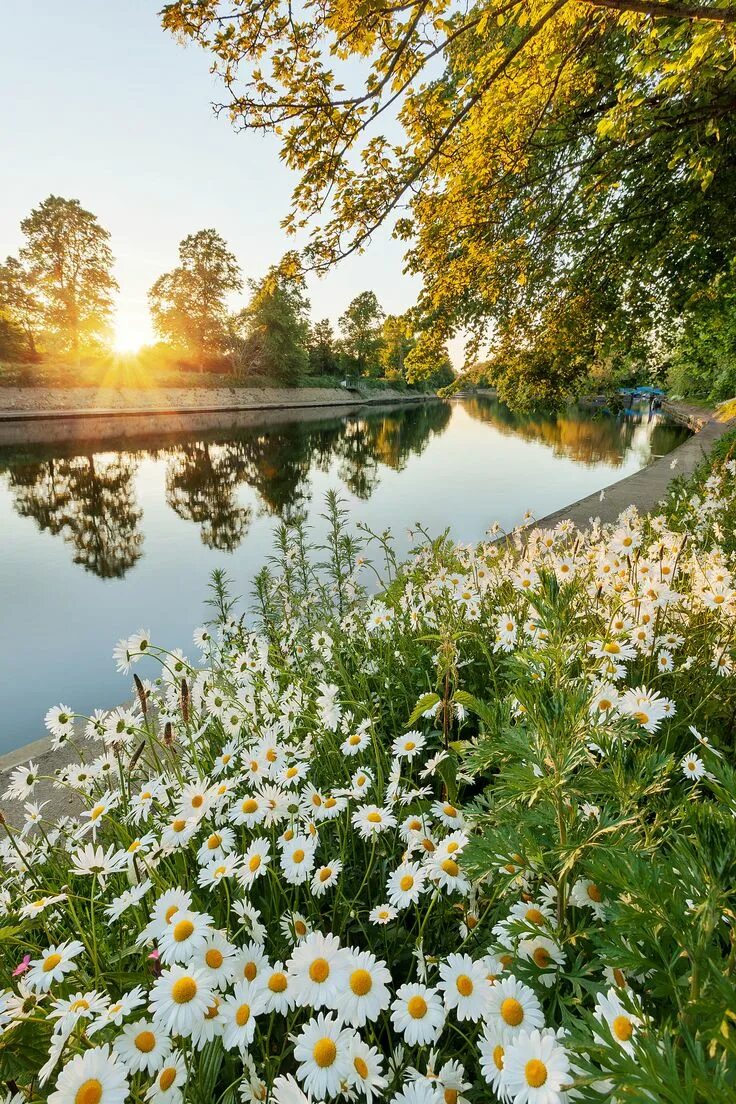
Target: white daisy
point(318, 969)
point(417, 1012)
point(180, 999)
point(323, 1050)
point(536, 1069)
point(514, 1007)
point(142, 1047)
point(93, 1077)
point(465, 987)
point(365, 994)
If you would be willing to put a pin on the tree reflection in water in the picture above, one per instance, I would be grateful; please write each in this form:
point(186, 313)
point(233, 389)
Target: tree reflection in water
point(89, 497)
point(90, 502)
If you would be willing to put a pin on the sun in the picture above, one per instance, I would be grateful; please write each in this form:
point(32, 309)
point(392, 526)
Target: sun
point(131, 333)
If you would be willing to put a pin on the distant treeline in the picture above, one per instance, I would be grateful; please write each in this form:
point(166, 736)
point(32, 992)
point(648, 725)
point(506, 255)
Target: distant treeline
point(57, 297)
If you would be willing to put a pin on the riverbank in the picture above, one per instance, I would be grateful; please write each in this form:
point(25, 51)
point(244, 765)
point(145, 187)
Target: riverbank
point(79, 401)
point(30, 415)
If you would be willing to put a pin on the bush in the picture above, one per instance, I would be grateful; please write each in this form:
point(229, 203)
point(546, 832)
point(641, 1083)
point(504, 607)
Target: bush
point(469, 838)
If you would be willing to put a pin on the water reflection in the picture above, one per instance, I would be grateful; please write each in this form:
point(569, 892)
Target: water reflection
point(90, 502)
point(90, 498)
point(587, 436)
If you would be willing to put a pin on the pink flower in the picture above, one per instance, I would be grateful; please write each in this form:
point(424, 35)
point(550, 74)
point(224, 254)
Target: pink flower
point(22, 966)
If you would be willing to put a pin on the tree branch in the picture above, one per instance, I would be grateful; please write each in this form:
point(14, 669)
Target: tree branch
point(667, 10)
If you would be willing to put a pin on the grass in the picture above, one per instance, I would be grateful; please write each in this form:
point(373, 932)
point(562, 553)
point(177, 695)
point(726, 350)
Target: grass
point(151, 368)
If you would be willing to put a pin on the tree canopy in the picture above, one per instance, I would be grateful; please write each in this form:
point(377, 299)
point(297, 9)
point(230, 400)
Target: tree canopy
point(276, 325)
point(62, 280)
point(545, 162)
point(189, 304)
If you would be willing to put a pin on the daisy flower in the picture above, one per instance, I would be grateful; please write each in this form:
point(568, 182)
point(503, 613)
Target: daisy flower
point(93, 1077)
point(370, 820)
point(408, 746)
point(513, 1007)
point(536, 1069)
point(325, 877)
point(367, 1070)
point(254, 862)
point(365, 995)
point(216, 958)
point(53, 965)
point(417, 1012)
point(318, 969)
point(382, 914)
point(250, 962)
point(406, 884)
point(297, 859)
point(693, 767)
point(185, 933)
point(323, 1050)
point(180, 999)
point(239, 1013)
point(465, 987)
point(586, 894)
point(168, 1088)
point(621, 1023)
point(277, 989)
point(142, 1047)
point(492, 1049)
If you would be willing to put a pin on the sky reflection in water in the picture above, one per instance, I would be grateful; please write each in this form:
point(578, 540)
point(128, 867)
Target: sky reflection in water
point(99, 540)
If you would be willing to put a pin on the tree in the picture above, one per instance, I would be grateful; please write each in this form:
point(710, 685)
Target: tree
point(275, 323)
point(67, 268)
point(189, 304)
point(360, 327)
point(397, 341)
point(20, 306)
point(551, 150)
point(323, 358)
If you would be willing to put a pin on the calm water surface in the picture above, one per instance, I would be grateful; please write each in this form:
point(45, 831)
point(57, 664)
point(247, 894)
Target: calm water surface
point(100, 540)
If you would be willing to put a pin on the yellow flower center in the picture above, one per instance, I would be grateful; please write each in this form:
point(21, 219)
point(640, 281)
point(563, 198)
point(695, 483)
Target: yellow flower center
point(417, 1007)
point(214, 958)
point(542, 957)
point(254, 863)
point(300, 927)
point(183, 930)
point(250, 971)
point(406, 882)
point(593, 892)
point(450, 867)
point(449, 810)
point(324, 1052)
point(450, 1096)
point(298, 855)
point(409, 745)
point(277, 982)
point(319, 970)
point(464, 985)
point(622, 1028)
point(184, 990)
point(97, 812)
point(498, 1053)
point(242, 1015)
point(51, 963)
point(535, 1073)
point(611, 647)
point(325, 873)
point(166, 1078)
point(170, 912)
point(374, 818)
point(360, 1067)
point(145, 1041)
point(179, 825)
point(361, 982)
point(534, 916)
point(249, 805)
point(511, 1012)
point(89, 1092)
point(79, 1005)
point(197, 801)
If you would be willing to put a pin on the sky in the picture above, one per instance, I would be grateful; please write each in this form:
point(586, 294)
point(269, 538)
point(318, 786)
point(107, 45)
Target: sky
point(101, 105)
